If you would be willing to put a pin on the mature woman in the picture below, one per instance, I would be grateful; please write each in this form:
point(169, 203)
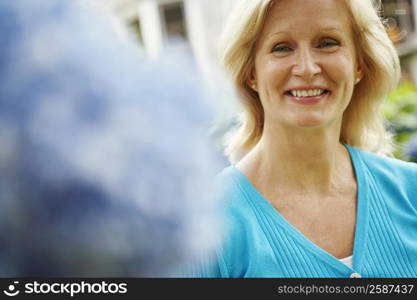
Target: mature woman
point(311, 191)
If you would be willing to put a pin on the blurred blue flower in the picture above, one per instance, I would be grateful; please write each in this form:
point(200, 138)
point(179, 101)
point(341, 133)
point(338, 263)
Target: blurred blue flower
point(105, 168)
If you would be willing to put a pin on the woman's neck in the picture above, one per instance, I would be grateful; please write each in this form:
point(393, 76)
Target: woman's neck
point(308, 162)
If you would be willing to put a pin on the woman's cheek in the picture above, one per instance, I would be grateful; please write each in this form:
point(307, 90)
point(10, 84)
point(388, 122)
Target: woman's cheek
point(341, 67)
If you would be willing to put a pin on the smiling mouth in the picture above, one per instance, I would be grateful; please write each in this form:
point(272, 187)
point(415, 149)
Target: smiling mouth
point(311, 93)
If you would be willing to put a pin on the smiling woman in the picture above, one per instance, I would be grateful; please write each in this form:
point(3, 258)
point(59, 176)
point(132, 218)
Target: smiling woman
point(310, 192)
point(374, 54)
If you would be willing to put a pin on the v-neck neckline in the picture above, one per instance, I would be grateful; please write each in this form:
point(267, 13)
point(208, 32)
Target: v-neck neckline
point(361, 224)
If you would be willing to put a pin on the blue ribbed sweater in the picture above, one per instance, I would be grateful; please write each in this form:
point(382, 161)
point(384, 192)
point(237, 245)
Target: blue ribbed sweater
point(262, 243)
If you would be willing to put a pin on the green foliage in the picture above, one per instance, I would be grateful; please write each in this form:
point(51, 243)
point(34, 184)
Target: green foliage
point(401, 111)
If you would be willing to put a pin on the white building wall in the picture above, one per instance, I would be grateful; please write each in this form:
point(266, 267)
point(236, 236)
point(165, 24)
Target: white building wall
point(210, 16)
point(150, 20)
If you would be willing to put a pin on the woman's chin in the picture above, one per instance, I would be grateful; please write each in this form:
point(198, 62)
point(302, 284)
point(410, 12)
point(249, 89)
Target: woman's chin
point(310, 122)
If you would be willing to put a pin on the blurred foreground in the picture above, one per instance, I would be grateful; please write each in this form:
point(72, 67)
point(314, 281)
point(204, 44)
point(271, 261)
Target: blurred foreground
point(105, 168)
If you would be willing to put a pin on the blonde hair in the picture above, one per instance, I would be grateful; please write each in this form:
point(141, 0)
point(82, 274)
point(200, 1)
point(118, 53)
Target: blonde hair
point(363, 125)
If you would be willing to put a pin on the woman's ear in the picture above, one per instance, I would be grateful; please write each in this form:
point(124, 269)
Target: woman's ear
point(358, 75)
point(251, 81)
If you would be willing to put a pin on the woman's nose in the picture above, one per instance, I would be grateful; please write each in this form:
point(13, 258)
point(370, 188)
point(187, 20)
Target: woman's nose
point(305, 64)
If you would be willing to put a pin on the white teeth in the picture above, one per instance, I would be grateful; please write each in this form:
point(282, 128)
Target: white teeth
point(306, 93)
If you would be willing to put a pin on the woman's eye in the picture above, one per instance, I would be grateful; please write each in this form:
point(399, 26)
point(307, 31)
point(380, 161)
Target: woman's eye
point(328, 43)
point(281, 48)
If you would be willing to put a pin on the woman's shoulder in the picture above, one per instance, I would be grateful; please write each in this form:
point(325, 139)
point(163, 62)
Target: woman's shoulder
point(384, 164)
point(235, 192)
point(389, 173)
point(238, 200)
point(230, 186)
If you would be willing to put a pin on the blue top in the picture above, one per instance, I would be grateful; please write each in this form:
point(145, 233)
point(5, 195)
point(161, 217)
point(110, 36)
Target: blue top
point(262, 243)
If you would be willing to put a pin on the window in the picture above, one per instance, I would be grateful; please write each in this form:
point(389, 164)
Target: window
point(174, 20)
point(400, 19)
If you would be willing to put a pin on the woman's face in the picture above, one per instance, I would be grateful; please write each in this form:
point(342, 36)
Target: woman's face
point(305, 66)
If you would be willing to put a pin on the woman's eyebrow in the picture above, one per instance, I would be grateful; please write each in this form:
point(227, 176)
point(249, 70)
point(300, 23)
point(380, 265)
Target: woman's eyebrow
point(278, 33)
point(331, 29)
point(325, 29)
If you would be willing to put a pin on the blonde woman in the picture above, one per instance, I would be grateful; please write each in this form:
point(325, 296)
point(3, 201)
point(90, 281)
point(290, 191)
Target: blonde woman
point(311, 191)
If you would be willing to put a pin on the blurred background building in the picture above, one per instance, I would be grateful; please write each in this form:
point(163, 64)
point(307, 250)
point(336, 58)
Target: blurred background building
point(160, 24)
point(198, 23)
point(195, 25)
